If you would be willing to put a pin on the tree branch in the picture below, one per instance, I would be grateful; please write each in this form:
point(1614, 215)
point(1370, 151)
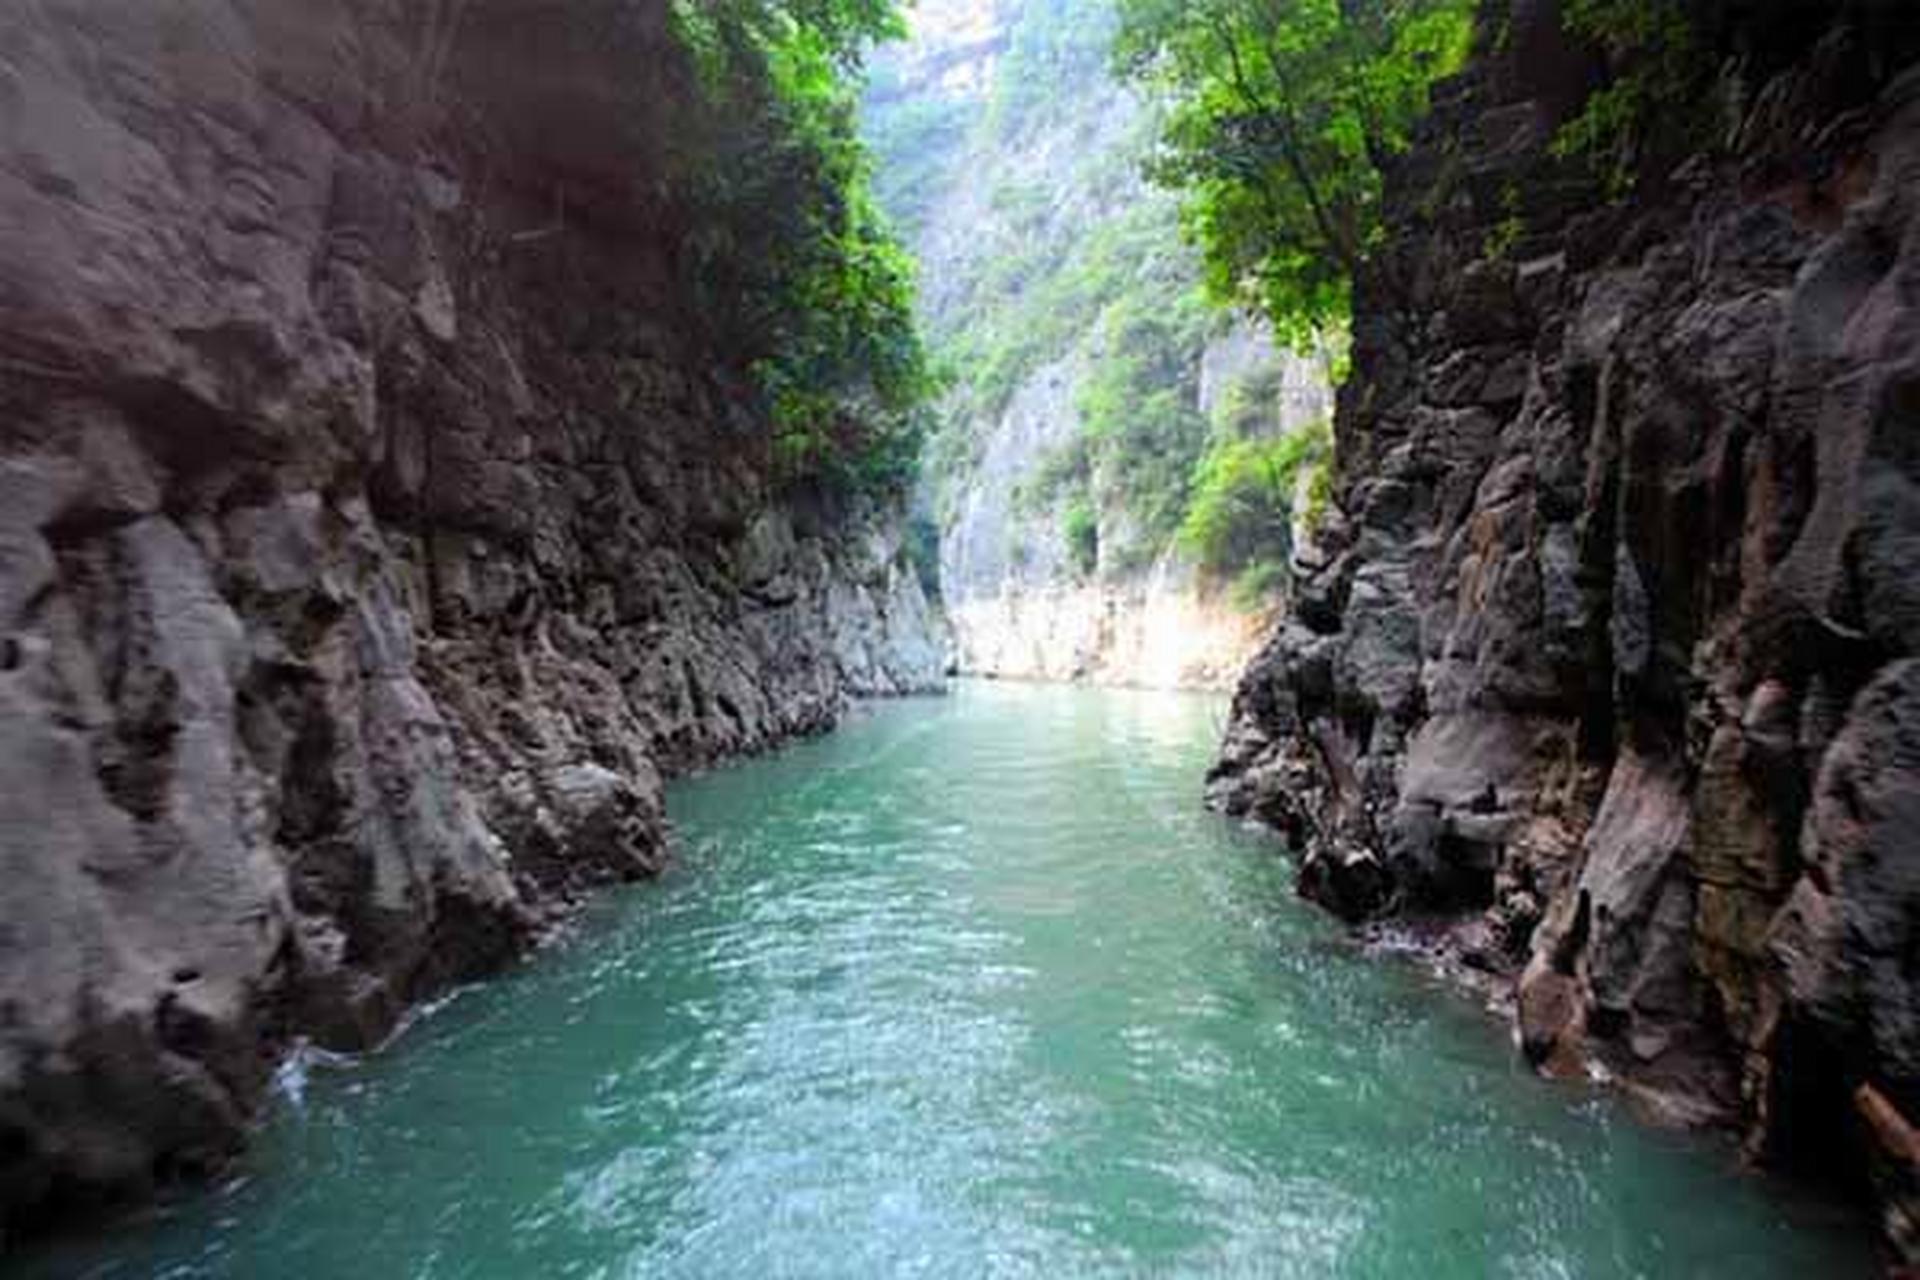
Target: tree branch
point(1293, 151)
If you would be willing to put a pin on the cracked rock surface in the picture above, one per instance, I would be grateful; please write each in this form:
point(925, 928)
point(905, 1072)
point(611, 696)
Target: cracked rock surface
point(1609, 663)
point(376, 531)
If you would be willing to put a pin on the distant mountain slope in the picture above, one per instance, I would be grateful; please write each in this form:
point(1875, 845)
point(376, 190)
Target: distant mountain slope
point(1090, 376)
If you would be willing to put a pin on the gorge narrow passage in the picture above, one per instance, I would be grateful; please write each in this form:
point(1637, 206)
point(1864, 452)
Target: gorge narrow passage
point(970, 988)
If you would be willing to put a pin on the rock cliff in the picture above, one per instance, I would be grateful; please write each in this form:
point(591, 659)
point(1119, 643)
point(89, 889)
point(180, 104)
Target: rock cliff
point(377, 526)
point(1609, 671)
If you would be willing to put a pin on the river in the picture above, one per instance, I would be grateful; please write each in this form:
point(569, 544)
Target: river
point(972, 988)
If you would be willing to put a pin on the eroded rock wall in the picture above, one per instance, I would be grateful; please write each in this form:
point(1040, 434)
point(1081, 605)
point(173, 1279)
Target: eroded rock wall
point(377, 526)
point(1612, 666)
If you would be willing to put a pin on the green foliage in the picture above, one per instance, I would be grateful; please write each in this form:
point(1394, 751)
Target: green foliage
point(1319, 486)
point(1249, 406)
point(1139, 408)
point(1140, 434)
point(1243, 494)
point(1511, 229)
point(1279, 116)
point(1256, 586)
point(1052, 287)
point(1080, 530)
point(923, 553)
point(1123, 291)
point(1069, 261)
point(1067, 469)
point(1058, 263)
point(789, 254)
point(915, 141)
point(1506, 234)
point(1650, 101)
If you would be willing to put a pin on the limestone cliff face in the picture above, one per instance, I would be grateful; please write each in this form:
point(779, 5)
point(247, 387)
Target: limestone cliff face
point(1613, 660)
point(1021, 608)
point(376, 528)
point(1157, 630)
point(1007, 150)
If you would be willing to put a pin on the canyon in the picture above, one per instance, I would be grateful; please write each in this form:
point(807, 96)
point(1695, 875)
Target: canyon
point(391, 513)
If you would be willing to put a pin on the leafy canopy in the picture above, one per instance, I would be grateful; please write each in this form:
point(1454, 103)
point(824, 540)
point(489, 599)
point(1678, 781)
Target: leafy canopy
point(790, 253)
point(1279, 117)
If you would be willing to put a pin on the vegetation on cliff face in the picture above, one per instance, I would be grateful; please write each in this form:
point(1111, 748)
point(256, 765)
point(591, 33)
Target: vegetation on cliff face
point(790, 252)
point(1061, 263)
point(1278, 120)
point(1247, 493)
point(1651, 44)
point(1671, 81)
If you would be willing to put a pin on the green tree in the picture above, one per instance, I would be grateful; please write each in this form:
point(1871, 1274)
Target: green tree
point(1279, 117)
point(787, 251)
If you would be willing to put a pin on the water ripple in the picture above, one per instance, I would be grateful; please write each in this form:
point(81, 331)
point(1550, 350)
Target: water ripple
point(973, 988)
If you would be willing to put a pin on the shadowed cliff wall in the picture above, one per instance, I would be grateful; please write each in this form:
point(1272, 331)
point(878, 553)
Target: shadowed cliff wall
point(378, 522)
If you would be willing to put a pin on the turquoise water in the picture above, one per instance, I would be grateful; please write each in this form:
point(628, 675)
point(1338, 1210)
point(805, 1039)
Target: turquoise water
point(972, 988)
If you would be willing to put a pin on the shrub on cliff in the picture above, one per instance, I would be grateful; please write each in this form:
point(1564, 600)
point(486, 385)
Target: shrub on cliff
point(1139, 408)
point(1080, 530)
point(1655, 62)
point(1244, 497)
point(787, 250)
point(1674, 79)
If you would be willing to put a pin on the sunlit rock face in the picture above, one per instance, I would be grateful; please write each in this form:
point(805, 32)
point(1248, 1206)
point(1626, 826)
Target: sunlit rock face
point(1142, 614)
point(951, 51)
point(1019, 606)
point(1158, 632)
point(374, 533)
point(1610, 663)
